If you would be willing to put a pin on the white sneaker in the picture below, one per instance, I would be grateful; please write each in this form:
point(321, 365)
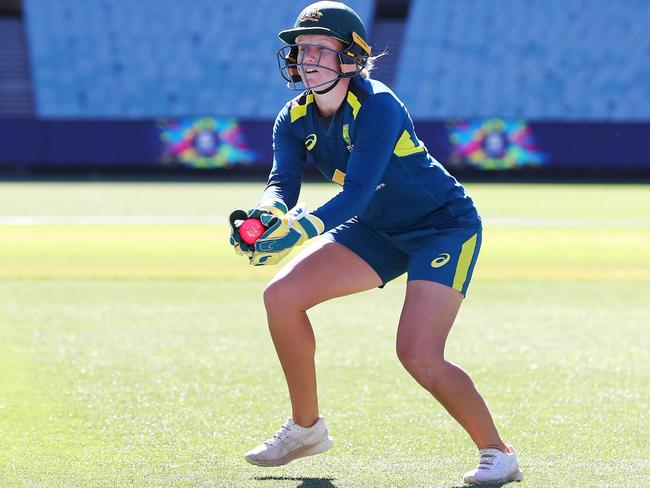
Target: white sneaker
point(495, 467)
point(291, 442)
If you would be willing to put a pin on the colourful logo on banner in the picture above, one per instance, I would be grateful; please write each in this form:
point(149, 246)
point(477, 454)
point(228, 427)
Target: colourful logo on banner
point(206, 142)
point(494, 144)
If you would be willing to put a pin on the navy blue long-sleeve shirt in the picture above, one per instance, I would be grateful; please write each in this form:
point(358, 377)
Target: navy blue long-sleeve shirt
point(390, 181)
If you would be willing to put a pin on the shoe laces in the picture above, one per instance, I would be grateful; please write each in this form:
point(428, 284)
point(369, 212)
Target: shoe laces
point(486, 461)
point(280, 434)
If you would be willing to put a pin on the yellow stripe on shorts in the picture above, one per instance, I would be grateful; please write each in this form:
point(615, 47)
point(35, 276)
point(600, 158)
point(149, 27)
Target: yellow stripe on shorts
point(466, 254)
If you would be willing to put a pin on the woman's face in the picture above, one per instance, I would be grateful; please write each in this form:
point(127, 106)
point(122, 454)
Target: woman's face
point(318, 66)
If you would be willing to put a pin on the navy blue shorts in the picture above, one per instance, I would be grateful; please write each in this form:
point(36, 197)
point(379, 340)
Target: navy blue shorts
point(443, 256)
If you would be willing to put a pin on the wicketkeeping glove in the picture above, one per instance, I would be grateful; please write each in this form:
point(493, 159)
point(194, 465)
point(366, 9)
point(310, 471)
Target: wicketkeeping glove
point(238, 216)
point(235, 220)
point(273, 207)
point(284, 233)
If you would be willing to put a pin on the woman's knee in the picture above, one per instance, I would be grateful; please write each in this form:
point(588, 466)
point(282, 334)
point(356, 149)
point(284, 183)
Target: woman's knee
point(285, 294)
point(426, 365)
point(275, 294)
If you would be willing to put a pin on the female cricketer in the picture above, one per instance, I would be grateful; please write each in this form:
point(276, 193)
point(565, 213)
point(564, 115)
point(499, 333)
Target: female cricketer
point(399, 212)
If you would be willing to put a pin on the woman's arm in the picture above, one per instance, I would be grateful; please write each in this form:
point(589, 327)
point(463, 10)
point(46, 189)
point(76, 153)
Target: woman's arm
point(289, 153)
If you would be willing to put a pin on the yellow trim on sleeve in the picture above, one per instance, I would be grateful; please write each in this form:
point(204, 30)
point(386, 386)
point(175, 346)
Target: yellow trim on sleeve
point(354, 103)
point(301, 110)
point(466, 254)
point(338, 177)
point(405, 145)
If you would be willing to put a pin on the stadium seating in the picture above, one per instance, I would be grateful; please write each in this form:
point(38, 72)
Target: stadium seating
point(160, 58)
point(15, 84)
point(538, 59)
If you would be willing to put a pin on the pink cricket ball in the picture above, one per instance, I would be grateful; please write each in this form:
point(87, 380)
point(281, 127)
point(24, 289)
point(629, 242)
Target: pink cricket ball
point(251, 230)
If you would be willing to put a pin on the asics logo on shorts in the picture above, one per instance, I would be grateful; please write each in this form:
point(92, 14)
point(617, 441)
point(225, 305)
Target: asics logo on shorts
point(441, 260)
point(310, 142)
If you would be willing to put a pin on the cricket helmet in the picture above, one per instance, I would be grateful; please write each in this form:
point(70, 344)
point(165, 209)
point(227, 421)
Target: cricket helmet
point(333, 19)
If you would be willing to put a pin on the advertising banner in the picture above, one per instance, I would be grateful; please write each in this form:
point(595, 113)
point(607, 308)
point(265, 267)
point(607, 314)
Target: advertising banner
point(218, 143)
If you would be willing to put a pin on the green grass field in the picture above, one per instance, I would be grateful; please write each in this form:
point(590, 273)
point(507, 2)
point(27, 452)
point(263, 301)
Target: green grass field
point(136, 353)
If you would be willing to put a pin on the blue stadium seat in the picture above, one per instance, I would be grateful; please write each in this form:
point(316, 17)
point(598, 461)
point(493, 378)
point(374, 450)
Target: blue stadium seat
point(160, 58)
point(539, 59)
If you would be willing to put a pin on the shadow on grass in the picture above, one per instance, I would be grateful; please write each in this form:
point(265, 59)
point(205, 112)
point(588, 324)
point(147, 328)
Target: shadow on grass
point(493, 485)
point(327, 482)
point(305, 482)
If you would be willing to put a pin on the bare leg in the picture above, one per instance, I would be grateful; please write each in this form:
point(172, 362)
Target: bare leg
point(326, 270)
point(428, 314)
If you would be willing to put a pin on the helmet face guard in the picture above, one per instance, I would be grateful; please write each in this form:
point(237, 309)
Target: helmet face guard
point(351, 62)
point(328, 18)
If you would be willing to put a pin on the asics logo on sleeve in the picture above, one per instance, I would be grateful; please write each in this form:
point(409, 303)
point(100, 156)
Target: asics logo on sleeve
point(310, 142)
point(441, 260)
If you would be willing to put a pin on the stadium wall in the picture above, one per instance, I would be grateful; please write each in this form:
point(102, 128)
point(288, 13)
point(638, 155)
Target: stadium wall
point(221, 144)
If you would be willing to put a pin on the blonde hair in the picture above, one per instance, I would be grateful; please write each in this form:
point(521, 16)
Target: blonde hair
point(370, 64)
